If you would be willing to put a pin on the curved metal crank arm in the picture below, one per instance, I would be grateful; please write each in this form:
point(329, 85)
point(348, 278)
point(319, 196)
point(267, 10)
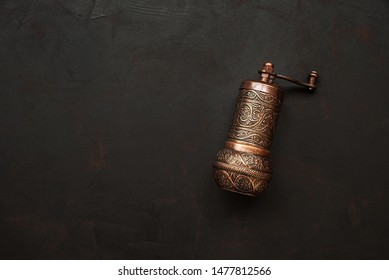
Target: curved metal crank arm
point(311, 84)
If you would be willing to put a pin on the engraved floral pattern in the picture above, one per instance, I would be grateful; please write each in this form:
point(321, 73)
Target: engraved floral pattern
point(255, 122)
point(251, 161)
point(260, 96)
point(236, 182)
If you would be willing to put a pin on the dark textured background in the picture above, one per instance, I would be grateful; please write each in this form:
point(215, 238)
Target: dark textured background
point(111, 114)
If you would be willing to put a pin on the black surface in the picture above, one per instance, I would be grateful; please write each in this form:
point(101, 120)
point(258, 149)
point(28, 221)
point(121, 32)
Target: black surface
point(111, 114)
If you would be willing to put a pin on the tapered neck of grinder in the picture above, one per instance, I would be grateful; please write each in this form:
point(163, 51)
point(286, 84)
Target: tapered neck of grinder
point(267, 77)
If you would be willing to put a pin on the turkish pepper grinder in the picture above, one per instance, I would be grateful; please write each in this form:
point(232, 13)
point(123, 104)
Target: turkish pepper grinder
point(244, 164)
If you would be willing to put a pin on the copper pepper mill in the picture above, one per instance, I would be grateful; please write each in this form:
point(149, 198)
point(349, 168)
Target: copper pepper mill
point(244, 164)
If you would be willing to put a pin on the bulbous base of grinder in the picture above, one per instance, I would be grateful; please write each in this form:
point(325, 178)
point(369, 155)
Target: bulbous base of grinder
point(242, 172)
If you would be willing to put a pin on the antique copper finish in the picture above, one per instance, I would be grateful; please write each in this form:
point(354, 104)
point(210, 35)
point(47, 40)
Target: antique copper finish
point(244, 164)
